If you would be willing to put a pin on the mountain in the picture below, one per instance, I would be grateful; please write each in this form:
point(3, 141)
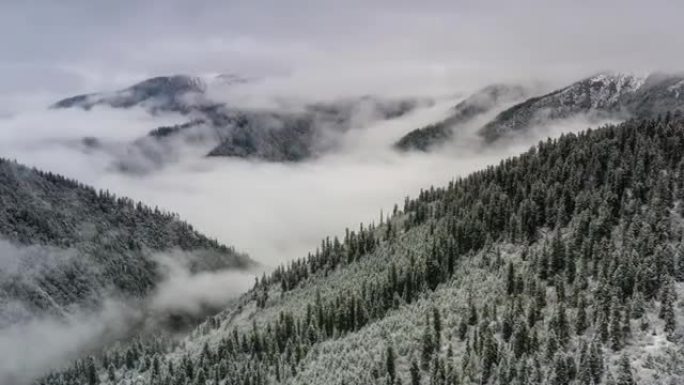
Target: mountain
point(296, 136)
point(219, 129)
point(564, 265)
point(158, 93)
point(66, 246)
point(607, 95)
point(476, 105)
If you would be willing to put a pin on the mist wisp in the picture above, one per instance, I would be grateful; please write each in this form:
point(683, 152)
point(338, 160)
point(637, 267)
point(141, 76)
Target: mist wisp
point(38, 342)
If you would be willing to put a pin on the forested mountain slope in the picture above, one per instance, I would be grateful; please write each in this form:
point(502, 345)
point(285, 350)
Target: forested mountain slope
point(480, 103)
point(66, 245)
point(560, 266)
point(602, 97)
point(607, 95)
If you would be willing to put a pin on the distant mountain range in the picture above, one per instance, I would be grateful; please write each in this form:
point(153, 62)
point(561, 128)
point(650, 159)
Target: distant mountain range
point(266, 134)
point(614, 96)
point(294, 135)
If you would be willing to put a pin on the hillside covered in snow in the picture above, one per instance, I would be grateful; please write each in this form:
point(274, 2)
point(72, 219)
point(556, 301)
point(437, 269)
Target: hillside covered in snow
point(603, 96)
point(487, 100)
point(66, 246)
point(563, 265)
point(511, 112)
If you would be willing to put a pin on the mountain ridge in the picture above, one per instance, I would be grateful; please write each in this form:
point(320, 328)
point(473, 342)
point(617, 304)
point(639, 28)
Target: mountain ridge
point(606, 95)
point(106, 244)
point(475, 105)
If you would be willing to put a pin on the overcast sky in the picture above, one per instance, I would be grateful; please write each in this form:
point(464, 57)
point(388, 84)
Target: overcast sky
point(84, 45)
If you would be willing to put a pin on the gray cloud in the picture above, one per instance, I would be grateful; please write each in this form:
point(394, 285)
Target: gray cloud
point(79, 45)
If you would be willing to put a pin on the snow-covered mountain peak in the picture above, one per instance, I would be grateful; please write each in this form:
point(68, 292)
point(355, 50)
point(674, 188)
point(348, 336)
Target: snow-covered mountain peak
point(603, 90)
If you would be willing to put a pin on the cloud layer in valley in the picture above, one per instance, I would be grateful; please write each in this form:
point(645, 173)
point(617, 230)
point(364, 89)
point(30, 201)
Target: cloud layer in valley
point(273, 211)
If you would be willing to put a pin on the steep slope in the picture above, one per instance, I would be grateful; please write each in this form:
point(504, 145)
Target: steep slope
point(477, 104)
point(278, 135)
point(608, 95)
point(66, 245)
point(561, 266)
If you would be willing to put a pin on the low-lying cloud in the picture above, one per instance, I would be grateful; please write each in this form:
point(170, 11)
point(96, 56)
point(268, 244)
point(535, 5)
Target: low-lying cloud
point(38, 342)
point(273, 211)
point(183, 292)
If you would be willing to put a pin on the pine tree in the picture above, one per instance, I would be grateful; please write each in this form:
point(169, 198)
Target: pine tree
point(155, 366)
point(584, 376)
point(616, 327)
point(560, 371)
point(581, 323)
point(507, 325)
point(415, 373)
point(437, 324)
point(433, 270)
point(489, 354)
point(560, 325)
point(472, 313)
point(510, 279)
point(91, 372)
point(428, 346)
point(638, 305)
point(201, 378)
point(626, 326)
point(667, 309)
point(462, 329)
point(679, 261)
point(596, 362)
point(551, 345)
point(390, 363)
point(557, 253)
point(625, 376)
